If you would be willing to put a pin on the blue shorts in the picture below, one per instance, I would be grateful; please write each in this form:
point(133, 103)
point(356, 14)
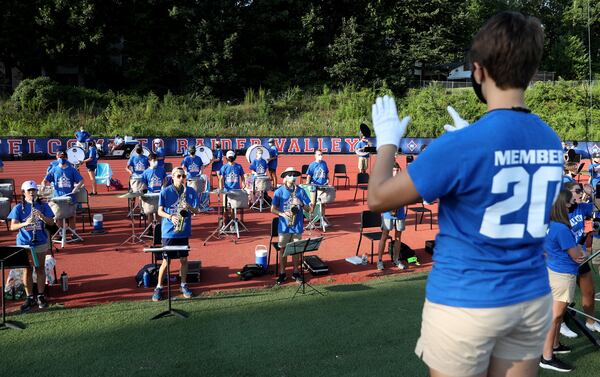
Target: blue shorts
point(175, 242)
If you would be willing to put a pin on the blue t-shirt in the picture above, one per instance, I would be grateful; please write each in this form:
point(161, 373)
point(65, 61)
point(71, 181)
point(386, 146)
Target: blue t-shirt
point(138, 163)
point(160, 156)
point(63, 180)
point(499, 179)
point(362, 144)
point(400, 214)
point(318, 172)
point(566, 179)
point(217, 165)
point(282, 200)
point(273, 153)
point(259, 166)
point(560, 239)
point(595, 175)
point(192, 164)
point(93, 154)
point(54, 164)
point(231, 176)
point(25, 234)
point(169, 200)
point(154, 178)
point(82, 136)
point(577, 219)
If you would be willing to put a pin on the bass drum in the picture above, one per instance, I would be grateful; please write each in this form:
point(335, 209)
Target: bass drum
point(205, 154)
point(75, 155)
point(146, 152)
point(251, 152)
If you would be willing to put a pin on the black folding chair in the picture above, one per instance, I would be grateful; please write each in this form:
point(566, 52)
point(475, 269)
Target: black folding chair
point(84, 200)
point(14, 189)
point(369, 219)
point(304, 170)
point(275, 245)
point(339, 172)
point(421, 210)
point(362, 182)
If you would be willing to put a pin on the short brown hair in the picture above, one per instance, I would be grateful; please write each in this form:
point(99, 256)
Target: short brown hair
point(510, 47)
point(560, 209)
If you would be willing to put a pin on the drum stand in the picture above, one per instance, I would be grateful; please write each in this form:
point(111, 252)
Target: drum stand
point(62, 230)
point(260, 200)
point(234, 225)
point(151, 226)
point(318, 219)
point(133, 239)
point(220, 220)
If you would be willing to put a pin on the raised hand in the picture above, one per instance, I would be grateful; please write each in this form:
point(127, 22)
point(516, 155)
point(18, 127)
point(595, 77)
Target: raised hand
point(388, 127)
point(459, 122)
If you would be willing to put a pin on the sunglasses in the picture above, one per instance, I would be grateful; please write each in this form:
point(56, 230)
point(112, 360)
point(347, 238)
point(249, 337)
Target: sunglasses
point(578, 191)
point(180, 176)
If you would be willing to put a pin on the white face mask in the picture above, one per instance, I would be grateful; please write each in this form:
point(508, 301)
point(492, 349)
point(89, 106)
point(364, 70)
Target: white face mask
point(319, 158)
point(153, 164)
point(259, 155)
point(290, 179)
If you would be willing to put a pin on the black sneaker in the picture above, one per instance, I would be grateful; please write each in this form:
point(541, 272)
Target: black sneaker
point(28, 304)
point(298, 277)
point(41, 301)
point(281, 279)
point(555, 364)
point(561, 349)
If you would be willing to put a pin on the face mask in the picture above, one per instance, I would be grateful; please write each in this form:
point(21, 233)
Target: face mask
point(62, 161)
point(291, 179)
point(153, 164)
point(477, 89)
point(319, 158)
point(271, 144)
point(230, 159)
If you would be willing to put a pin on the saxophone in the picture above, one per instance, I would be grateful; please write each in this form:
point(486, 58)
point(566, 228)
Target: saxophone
point(294, 209)
point(181, 212)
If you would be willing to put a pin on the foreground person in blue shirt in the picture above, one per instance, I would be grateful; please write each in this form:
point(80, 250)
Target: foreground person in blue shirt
point(563, 258)
point(173, 200)
point(32, 232)
point(488, 301)
point(288, 201)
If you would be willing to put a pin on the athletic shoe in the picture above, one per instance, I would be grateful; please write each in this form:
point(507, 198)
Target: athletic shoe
point(555, 364)
point(380, 265)
point(566, 331)
point(28, 304)
point(296, 276)
point(400, 265)
point(561, 349)
point(41, 301)
point(281, 279)
point(187, 293)
point(157, 295)
point(594, 327)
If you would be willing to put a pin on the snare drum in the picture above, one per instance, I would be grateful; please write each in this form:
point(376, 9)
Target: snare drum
point(237, 199)
point(75, 155)
point(45, 192)
point(6, 190)
point(136, 184)
point(81, 195)
point(62, 207)
point(326, 194)
point(197, 183)
point(150, 202)
point(262, 183)
point(4, 207)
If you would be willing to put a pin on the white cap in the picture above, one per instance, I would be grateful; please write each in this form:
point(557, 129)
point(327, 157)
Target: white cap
point(230, 154)
point(156, 141)
point(28, 185)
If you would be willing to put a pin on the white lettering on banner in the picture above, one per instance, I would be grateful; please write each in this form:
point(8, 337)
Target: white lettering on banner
point(528, 157)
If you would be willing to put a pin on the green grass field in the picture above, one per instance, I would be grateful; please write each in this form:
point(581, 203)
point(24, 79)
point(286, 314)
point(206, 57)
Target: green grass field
point(366, 329)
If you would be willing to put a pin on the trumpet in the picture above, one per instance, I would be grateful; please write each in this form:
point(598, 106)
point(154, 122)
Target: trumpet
point(181, 212)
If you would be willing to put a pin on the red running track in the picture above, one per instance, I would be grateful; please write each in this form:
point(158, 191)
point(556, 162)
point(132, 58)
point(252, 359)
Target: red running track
point(98, 273)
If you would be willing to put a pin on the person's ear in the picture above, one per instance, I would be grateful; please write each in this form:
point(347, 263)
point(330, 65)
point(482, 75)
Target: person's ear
point(478, 73)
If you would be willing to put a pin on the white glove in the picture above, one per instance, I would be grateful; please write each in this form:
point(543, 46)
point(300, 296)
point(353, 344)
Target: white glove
point(388, 127)
point(459, 123)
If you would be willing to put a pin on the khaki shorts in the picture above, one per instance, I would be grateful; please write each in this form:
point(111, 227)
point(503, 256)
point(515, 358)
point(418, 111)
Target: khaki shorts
point(563, 286)
point(596, 247)
point(286, 238)
point(363, 163)
point(461, 341)
point(390, 224)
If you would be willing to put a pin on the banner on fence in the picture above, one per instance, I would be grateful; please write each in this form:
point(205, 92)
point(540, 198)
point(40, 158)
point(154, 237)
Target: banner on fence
point(177, 145)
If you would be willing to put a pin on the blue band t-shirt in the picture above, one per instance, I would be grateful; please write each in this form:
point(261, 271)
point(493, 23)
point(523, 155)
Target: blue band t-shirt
point(217, 165)
point(282, 200)
point(259, 166)
point(154, 178)
point(21, 214)
point(231, 176)
point(273, 152)
point(318, 172)
point(93, 154)
point(169, 200)
point(63, 180)
point(138, 163)
point(192, 164)
point(560, 239)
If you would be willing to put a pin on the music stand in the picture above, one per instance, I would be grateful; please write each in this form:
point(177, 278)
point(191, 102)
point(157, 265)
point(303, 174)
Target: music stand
point(165, 254)
point(134, 238)
point(15, 257)
point(300, 247)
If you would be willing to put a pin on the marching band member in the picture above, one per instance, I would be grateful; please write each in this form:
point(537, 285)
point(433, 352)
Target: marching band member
point(91, 163)
point(317, 175)
point(230, 176)
point(66, 181)
point(30, 218)
point(488, 314)
point(273, 157)
point(82, 136)
point(363, 161)
point(137, 163)
point(59, 155)
point(192, 164)
point(563, 258)
point(173, 200)
point(217, 162)
point(392, 220)
point(288, 201)
point(259, 164)
point(154, 177)
point(160, 152)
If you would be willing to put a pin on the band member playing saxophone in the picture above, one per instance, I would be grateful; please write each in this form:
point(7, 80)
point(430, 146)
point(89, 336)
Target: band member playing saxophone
point(176, 204)
point(30, 217)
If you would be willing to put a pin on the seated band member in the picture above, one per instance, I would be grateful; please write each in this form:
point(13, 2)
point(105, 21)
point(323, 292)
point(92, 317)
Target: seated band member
point(273, 157)
point(32, 232)
point(173, 200)
point(91, 164)
point(192, 164)
point(66, 181)
point(155, 176)
point(230, 176)
point(563, 256)
point(137, 162)
point(363, 161)
point(392, 220)
point(217, 161)
point(288, 201)
point(116, 143)
point(160, 152)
